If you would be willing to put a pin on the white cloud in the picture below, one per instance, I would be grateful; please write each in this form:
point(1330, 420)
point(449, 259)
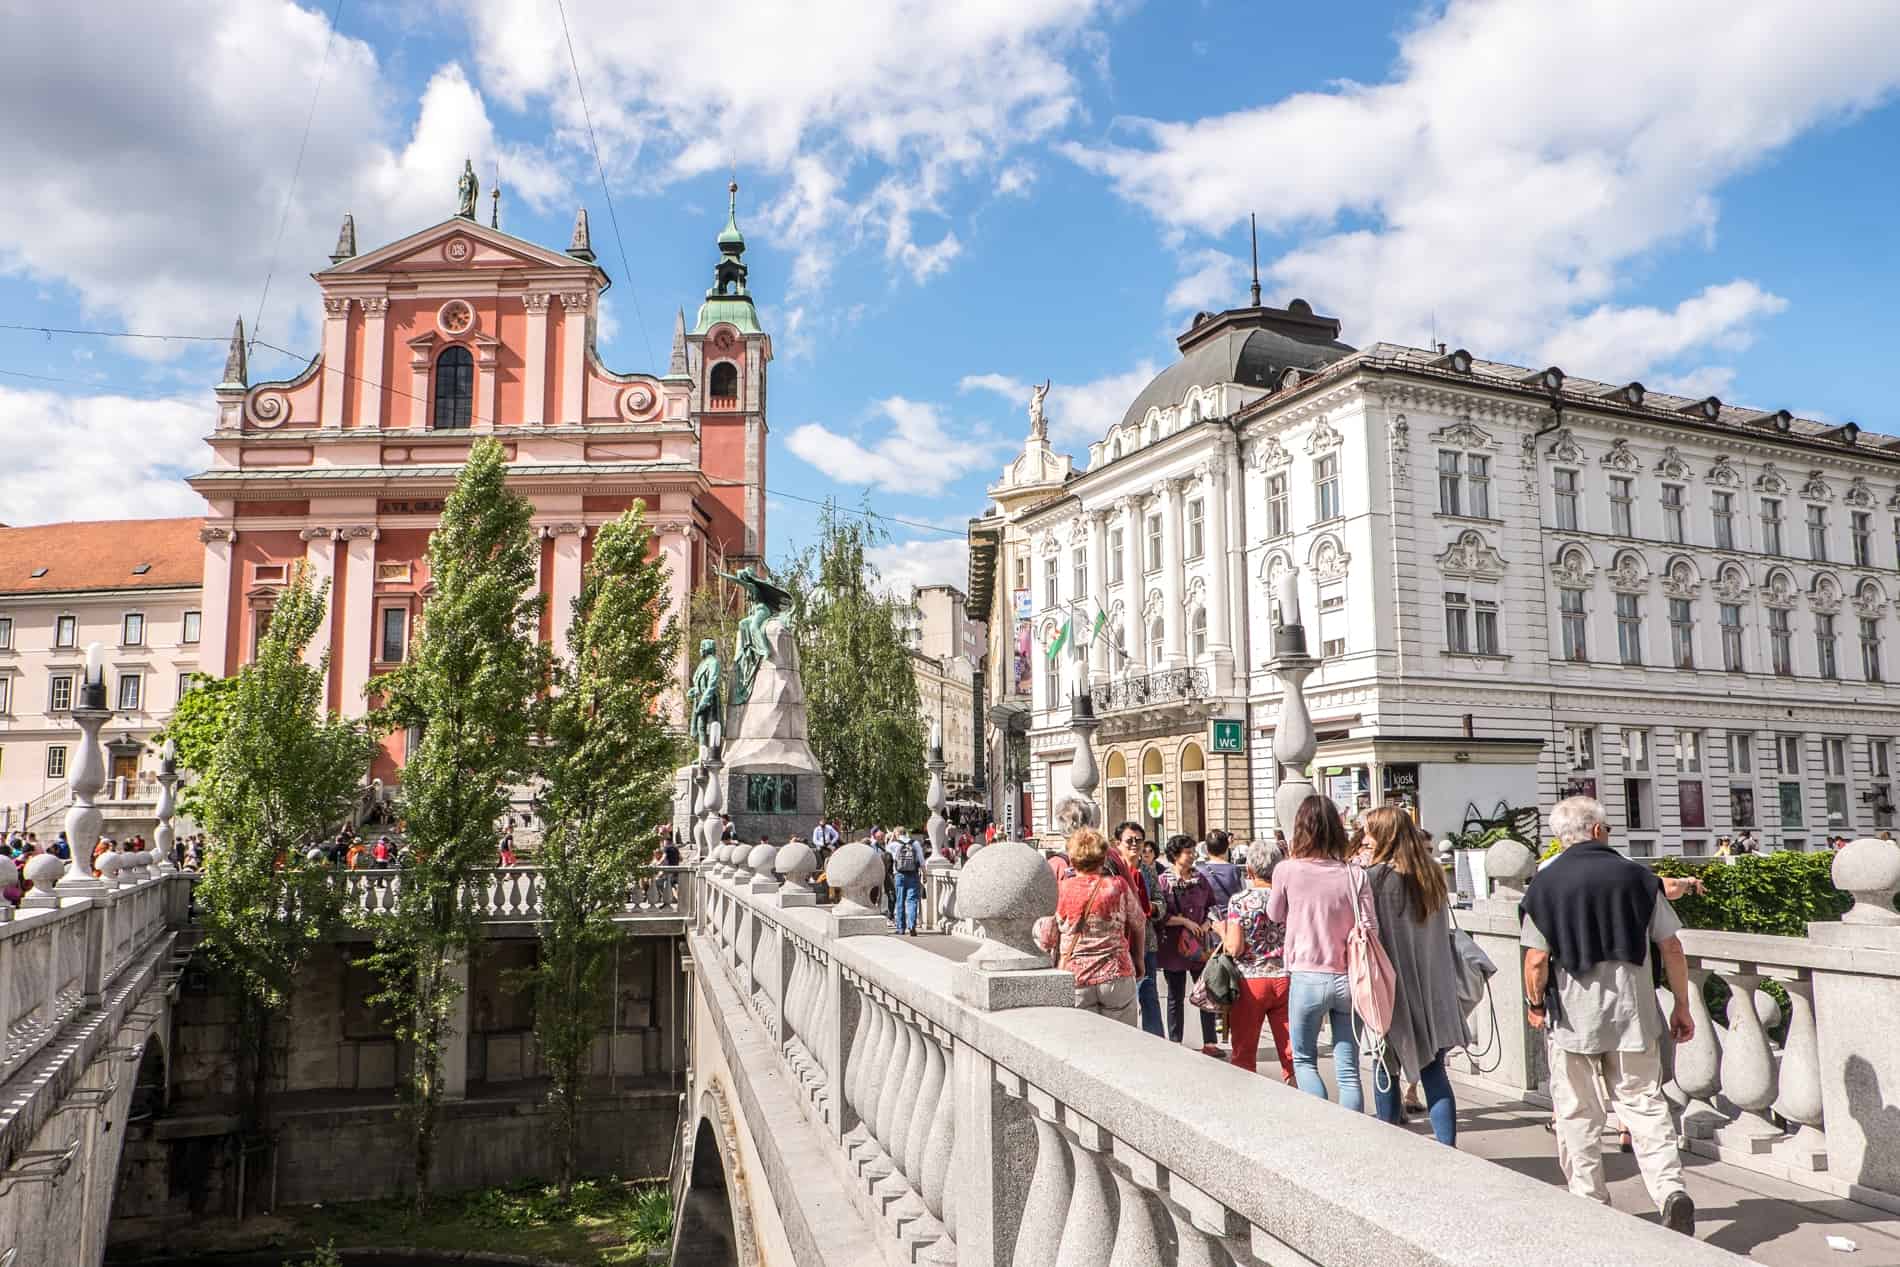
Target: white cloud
point(1077, 412)
point(904, 565)
point(98, 457)
point(913, 454)
point(1208, 282)
point(1616, 342)
point(1707, 380)
point(1015, 180)
point(152, 177)
point(1518, 160)
point(913, 93)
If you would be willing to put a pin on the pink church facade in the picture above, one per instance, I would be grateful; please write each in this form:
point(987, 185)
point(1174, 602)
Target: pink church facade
point(454, 333)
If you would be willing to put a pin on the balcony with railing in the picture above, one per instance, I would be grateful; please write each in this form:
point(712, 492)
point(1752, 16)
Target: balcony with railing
point(1167, 686)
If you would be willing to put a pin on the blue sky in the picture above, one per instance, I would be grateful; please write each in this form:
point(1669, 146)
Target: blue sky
point(945, 203)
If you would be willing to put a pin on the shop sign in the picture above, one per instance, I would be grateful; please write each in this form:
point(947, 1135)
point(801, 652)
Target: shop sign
point(1154, 800)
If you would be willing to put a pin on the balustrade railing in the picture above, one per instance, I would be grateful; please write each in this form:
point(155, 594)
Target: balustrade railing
point(1065, 1132)
point(1163, 687)
point(514, 893)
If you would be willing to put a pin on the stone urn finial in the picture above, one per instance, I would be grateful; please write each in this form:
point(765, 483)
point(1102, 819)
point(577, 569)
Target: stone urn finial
point(856, 871)
point(764, 862)
point(42, 872)
point(1869, 868)
point(1510, 865)
point(1004, 890)
point(797, 863)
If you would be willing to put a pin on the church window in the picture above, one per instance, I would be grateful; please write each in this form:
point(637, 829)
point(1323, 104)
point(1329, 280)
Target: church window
point(454, 389)
point(724, 383)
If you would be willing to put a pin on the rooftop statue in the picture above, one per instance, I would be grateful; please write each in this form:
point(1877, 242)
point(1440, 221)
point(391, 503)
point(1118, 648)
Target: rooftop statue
point(707, 711)
point(1038, 426)
point(752, 648)
point(466, 190)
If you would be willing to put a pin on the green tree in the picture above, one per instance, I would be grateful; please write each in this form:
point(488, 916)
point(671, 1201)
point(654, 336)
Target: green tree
point(607, 767)
point(860, 692)
point(472, 685)
point(195, 726)
point(278, 776)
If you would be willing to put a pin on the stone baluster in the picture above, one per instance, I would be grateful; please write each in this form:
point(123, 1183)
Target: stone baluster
point(1698, 1064)
point(85, 775)
point(1204, 1229)
point(893, 1093)
point(1747, 1065)
point(873, 1162)
point(1088, 1231)
point(1857, 1010)
point(1141, 1214)
point(165, 834)
point(1046, 1207)
point(857, 1056)
point(940, 1135)
point(1800, 1100)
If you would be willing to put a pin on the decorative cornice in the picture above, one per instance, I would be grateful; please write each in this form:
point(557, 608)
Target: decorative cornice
point(216, 532)
point(360, 532)
point(1449, 400)
point(535, 300)
point(574, 300)
point(317, 534)
point(1620, 457)
point(1464, 434)
point(336, 305)
point(1471, 556)
point(374, 305)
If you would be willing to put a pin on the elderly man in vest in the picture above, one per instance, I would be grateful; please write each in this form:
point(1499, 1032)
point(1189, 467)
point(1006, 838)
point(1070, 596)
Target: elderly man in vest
point(1590, 917)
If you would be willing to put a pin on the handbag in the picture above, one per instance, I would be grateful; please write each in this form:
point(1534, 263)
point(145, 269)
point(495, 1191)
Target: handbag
point(1368, 968)
point(1188, 944)
point(1218, 985)
point(1474, 968)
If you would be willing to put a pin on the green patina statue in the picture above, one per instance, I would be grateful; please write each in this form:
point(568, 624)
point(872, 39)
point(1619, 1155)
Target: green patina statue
point(707, 708)
point(752, 649)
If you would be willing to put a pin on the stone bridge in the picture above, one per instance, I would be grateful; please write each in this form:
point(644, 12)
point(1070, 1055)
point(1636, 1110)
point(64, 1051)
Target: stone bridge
point(101, 1019)
point(857, 1098)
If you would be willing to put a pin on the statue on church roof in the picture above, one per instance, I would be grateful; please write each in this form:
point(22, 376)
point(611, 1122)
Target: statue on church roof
point(1038, 426)
point(466, 191)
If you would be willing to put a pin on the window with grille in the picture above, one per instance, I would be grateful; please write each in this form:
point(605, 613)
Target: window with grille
point(1730, 615)
point(1566, 494)
point(56, 761)
point(59, 693)
point(1629, 628)
point(1722, 515)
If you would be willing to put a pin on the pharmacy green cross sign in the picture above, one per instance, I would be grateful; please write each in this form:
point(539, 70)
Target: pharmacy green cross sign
point(1230, 735)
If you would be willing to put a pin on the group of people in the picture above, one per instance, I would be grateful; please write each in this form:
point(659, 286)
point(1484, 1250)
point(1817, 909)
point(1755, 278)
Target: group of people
point(1593, 925)
point(21, 847)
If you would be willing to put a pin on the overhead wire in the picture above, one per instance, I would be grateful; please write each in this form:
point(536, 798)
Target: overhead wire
point(347, 376)
point(613, 217)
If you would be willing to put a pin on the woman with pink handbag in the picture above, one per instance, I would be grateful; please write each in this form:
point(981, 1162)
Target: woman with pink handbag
point(1323, 901)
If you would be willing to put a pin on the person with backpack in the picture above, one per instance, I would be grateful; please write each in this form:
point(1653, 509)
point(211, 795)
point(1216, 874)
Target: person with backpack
point(1221, 871)
point(907, 881)
point(1413, 905)
point(1320, 897)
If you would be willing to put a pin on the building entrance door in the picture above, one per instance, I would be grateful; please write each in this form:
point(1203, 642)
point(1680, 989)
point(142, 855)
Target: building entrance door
point(125, 765)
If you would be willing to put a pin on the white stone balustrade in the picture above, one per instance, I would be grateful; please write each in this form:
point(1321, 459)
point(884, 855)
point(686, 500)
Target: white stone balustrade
point(1815, 1107)
point(514, 893)
point(978, 1126)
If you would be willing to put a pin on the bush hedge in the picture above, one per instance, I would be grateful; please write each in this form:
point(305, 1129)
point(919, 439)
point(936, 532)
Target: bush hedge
point(1775, 893)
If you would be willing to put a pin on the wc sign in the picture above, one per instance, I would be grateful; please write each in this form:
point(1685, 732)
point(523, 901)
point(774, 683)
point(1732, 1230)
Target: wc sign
point(1229, 735)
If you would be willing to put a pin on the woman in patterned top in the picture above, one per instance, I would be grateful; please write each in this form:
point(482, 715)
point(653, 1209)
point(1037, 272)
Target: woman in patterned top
point(1258, 942)
point(1097, 930)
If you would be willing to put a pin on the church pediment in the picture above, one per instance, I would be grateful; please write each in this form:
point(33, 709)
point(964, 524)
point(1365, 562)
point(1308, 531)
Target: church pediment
point(458, 244)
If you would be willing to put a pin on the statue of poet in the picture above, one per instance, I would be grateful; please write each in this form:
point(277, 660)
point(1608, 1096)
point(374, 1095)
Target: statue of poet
point(707, 677)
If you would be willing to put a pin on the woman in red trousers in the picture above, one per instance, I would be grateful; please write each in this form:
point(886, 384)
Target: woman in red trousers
point(1256, 943)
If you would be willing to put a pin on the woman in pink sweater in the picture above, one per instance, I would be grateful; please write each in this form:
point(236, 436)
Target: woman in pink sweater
point(1313, 895)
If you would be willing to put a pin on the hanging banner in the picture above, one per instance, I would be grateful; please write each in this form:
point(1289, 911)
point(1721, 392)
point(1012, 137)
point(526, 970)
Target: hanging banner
point(1023, 668)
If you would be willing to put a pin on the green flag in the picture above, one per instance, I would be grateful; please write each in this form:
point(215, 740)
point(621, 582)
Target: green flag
point(1095, 630)
point(1061, 640)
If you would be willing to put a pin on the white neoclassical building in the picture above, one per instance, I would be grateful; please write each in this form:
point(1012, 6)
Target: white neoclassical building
point(1519, 584)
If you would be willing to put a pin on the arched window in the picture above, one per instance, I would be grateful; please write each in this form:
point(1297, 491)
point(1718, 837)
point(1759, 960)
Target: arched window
point(1197, 633)
point(724, 384)
point(454, 389)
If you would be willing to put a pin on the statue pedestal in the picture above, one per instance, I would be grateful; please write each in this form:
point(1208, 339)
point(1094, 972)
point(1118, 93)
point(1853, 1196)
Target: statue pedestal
point(774, 787)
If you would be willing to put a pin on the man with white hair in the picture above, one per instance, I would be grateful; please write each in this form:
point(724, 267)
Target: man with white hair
point(1589, 920)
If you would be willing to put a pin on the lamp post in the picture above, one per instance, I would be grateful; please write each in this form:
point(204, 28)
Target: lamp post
point(939, 827)
point(1083, 774)
point(165, 833)
point(1293, 740)
point(86, 776)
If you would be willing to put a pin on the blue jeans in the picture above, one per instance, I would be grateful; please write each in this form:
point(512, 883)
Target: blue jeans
point(908, 893)
point(1438, 1098)
point(1148, 997)
point(1311, 996)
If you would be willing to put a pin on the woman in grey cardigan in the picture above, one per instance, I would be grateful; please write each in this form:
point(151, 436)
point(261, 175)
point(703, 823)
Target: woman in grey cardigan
point(1413, 906)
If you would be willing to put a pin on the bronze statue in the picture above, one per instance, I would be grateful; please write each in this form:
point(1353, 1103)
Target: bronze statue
point(707, 711)
point(466, 190)
point(752, 649)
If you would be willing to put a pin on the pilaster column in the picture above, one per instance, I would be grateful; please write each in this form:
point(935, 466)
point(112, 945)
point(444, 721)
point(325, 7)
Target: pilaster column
point(419, 350)
point(567, 578)
point(485, 353)
point(1220, 646)
point(320, 554)
point(1172, 631)
point(359, 607)
point(1097, 598)
point(573, 357)
point(215, 634)
point(369, 396)
point(336, 361)
point(534, 360)
point(1134, 589)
